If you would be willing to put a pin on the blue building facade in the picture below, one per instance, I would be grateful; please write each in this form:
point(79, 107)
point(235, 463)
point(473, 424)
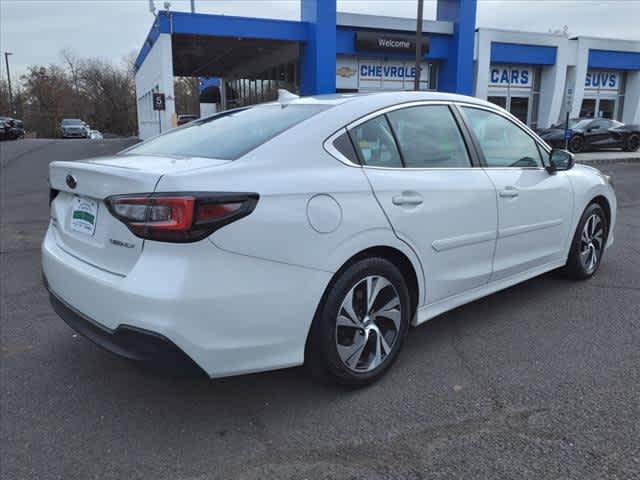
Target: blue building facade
point(538, 77)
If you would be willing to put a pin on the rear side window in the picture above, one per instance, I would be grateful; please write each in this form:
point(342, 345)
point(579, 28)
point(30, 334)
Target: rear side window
point(428, 137)
point(375, 143)
point(229, 135)
point(345, 147)
point(503, 143)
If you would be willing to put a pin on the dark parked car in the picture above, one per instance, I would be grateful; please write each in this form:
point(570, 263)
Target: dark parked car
point(74, 128)
point(594, 134)
point(11, 128)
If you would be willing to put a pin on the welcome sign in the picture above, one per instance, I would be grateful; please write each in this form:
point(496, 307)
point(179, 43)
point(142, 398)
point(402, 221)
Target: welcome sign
point(388, 42)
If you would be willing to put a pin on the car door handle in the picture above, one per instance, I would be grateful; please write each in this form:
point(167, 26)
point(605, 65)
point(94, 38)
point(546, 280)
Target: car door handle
point(407, 199)
point(509, 192)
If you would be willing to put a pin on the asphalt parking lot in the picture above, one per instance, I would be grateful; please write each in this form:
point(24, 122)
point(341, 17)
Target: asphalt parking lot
point(539, 381)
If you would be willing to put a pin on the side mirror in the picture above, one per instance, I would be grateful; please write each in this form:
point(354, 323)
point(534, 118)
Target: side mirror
point(560, 160)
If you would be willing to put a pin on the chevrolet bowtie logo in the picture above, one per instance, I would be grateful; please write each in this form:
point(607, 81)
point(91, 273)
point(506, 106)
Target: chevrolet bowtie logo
point(345, 72)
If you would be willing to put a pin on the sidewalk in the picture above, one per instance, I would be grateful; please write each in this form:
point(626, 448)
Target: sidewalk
point(611, 156)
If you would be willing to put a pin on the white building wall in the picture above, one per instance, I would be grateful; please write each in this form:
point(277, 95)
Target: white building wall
point(567, 75)
point(631, 113)
point(156, 75)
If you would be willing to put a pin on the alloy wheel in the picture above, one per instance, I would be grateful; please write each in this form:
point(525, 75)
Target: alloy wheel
point(591, 242)
point(368, 324)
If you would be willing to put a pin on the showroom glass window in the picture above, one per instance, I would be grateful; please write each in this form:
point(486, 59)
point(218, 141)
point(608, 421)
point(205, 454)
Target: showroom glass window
point(503, 143)
point(428, 137)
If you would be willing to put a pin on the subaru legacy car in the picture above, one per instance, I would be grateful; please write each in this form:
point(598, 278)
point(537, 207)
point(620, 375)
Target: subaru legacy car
point(314, 230)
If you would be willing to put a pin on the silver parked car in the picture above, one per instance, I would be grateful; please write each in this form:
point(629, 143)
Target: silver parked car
point(74, 128)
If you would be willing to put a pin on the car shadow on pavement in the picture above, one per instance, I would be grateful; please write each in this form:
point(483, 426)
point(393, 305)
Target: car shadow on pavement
point(187, 380)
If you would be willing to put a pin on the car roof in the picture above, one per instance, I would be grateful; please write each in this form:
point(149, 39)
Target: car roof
point(390, 98)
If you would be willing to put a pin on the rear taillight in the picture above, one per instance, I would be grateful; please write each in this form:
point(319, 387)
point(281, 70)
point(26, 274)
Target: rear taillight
point(180, 217)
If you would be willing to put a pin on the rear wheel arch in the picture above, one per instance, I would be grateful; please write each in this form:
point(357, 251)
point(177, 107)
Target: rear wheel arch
point(400, 260)
point(392, 254)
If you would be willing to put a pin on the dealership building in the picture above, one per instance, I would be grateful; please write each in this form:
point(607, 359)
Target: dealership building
point(537, 77)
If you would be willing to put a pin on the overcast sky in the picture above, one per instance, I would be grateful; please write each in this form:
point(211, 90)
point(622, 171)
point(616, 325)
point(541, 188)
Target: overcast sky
point(36, 30)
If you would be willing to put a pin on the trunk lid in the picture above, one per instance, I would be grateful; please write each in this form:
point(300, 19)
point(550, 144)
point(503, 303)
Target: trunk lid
point(84, 227)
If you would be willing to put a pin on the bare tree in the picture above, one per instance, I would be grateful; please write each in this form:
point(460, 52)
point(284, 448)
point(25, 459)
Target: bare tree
point(73, 65)
point(94, 90)
point(110, 92)
point(187, 93)
point(47, 92)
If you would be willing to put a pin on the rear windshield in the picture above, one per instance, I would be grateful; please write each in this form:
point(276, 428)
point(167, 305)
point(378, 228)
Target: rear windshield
point(228, 135)
point(71, 121)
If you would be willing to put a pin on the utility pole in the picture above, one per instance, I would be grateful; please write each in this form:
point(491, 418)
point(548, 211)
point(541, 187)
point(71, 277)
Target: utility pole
point(416, 79)
point(193, 6)
point(6, 61)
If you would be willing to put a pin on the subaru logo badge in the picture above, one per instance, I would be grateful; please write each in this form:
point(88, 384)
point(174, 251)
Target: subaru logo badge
point(71, 181)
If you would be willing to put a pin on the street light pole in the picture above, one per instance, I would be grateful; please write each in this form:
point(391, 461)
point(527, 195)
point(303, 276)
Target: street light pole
point(416, 78)
point(193, 6)
point(6, 61)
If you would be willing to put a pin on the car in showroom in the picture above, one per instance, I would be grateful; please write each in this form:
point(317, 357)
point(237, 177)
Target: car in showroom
point(588, 134)
point(74, 128)
point(314, 230)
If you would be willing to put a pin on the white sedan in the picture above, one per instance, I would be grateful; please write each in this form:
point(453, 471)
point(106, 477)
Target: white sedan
point(314, 230)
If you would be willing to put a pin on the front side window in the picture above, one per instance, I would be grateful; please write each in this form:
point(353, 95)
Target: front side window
point(230, 134)
point(375, 143)
point(428, 137)
point(503, 143)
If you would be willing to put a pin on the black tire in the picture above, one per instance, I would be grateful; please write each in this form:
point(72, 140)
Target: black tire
point(633, 143)
point(326, 337)
point(576, 144)
point(578, 266)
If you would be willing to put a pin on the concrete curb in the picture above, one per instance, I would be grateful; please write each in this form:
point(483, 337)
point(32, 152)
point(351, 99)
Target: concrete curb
point(605, 161)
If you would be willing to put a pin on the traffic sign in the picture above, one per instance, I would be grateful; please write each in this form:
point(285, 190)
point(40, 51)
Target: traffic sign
point(158, 101)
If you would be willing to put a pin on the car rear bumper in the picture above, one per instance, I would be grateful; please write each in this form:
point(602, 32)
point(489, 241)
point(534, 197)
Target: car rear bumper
point(231, 314)
point(126, 341)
